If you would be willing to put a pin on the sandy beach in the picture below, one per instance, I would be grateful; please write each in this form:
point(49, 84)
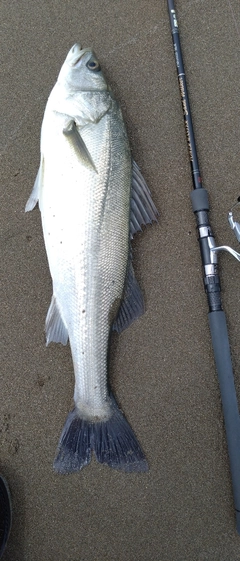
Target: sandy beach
point(162, 368)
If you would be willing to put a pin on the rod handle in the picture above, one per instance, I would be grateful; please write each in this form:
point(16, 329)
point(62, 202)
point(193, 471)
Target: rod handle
point(222, 354)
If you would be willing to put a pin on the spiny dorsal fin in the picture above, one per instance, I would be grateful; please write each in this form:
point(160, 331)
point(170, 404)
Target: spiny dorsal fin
point(143, 210)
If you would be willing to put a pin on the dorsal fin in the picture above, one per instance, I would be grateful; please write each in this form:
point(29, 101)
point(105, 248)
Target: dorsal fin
point(143, 210)
point(132, 306)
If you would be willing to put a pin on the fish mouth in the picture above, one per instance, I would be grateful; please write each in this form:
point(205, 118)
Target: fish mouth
point(76, 53)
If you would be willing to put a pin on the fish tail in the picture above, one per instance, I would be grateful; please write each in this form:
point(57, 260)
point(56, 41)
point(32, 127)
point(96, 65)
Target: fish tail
point(113, 442)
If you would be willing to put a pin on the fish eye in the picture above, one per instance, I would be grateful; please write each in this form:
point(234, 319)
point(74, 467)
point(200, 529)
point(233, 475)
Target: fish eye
point(93, 64)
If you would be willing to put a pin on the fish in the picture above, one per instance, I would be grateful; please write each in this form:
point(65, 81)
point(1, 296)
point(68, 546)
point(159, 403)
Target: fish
point(93, 199)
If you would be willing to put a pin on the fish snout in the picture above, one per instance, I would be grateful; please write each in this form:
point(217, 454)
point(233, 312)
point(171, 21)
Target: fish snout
point(76, 49)
point(75, 54)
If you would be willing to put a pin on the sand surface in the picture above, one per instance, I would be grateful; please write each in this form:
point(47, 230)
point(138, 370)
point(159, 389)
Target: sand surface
point(162, 367)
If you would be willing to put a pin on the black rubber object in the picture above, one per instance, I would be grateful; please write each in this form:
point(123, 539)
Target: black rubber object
point(5, 514)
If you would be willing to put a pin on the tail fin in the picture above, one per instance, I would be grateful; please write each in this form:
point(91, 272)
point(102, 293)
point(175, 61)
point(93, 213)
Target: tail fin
point(113, 442)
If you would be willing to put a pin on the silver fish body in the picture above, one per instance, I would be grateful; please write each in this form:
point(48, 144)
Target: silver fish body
point(85, 194)
point(85, 218)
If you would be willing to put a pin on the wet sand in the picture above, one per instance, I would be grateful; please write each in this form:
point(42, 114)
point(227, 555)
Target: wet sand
point(162, 368)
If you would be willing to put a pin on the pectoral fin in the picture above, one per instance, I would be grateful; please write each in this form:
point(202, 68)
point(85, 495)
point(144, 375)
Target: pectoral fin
point(79, 146)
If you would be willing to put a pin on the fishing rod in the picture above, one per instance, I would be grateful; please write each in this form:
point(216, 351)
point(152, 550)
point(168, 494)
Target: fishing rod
point(208, 249)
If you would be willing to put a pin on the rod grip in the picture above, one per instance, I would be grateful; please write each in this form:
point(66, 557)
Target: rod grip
point(199, 198)
point(222, 354)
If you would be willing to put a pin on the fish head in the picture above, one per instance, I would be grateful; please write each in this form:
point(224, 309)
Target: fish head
point(81, 71)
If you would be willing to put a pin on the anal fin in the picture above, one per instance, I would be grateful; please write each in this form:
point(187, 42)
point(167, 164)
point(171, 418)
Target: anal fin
point(56, 331)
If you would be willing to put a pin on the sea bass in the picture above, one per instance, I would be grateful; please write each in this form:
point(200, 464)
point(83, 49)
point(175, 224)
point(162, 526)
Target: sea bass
point(92, 199)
